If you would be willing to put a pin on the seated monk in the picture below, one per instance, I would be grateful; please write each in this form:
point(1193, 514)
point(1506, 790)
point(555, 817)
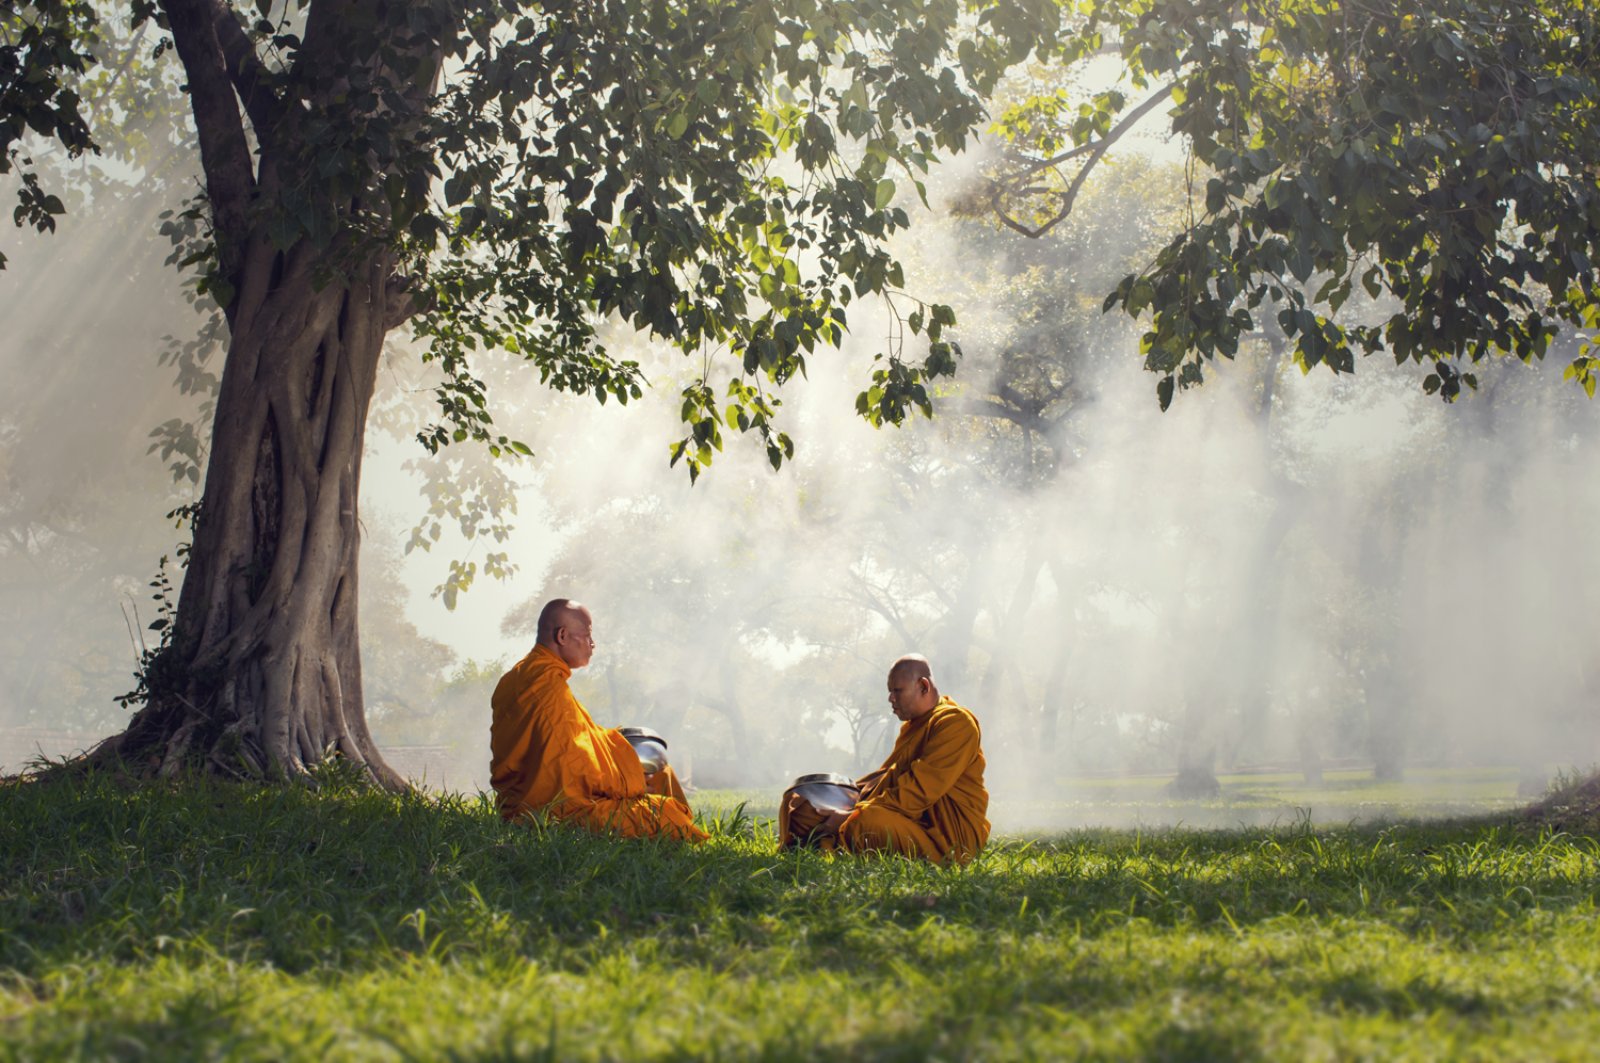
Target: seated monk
point(549, 755)
point(928, 798)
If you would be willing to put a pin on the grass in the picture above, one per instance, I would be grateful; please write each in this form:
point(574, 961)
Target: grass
point(204, 920)
point(1256, 799)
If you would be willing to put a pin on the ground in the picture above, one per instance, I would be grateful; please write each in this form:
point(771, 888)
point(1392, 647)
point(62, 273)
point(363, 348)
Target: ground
point(201, 920)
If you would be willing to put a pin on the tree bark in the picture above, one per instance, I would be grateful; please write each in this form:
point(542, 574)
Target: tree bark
point(263, 674)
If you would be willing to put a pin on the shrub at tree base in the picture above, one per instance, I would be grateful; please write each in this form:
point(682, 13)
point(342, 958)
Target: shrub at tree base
point(1573, 805)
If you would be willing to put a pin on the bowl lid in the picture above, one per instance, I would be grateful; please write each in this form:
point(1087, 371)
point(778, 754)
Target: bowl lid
point(829, 777)
point(631, 733)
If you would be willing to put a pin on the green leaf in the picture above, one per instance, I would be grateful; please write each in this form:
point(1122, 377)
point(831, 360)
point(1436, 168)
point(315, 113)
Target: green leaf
point(1372, 281)
point(884, 194)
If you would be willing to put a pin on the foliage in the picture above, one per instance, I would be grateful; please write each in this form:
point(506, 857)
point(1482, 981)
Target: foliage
point(723, 176)
point(197, 919)
point(1572, 803)
point(630, 160)
point(1438, 155)
point(44, 49)
point(1038, 349)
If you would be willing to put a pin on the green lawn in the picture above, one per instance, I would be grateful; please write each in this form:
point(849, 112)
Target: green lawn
point(1258, 799)
point(207, 921)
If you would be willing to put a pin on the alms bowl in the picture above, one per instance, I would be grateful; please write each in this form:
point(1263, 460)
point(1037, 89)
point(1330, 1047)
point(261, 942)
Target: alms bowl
point(828, 791)
point(651, 747)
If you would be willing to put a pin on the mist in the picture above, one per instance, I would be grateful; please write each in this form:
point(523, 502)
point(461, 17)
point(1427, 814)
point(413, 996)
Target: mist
point(1301, 573)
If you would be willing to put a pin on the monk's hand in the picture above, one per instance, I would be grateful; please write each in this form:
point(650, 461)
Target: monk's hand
point(806, 820)
point(832, 822)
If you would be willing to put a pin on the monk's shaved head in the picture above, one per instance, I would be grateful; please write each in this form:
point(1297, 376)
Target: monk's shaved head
point(912, 666)
point(557, 613)
point(567, 630)
point(912, 693)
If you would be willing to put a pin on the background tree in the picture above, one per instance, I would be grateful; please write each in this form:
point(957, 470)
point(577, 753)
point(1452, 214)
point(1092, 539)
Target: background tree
point(1442, 154)
point(1438, 158)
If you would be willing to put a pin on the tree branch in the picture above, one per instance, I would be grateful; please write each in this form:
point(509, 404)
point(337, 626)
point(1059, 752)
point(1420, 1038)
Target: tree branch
point(991, 408)
point(1070, 196)
point(864, 597)
point(224, 152)
point(405, 299)
point(104, 95)
point(1019, 400)
point(250, 77)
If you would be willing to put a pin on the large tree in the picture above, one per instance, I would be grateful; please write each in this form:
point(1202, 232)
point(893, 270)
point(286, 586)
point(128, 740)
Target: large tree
point(492, 175)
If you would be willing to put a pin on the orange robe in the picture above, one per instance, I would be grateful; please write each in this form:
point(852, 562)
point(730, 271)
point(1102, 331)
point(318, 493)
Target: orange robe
point(548, 754)
point(928, 799)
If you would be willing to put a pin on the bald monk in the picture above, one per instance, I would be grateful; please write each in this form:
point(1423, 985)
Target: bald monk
point(547, 754)
point(928, 798)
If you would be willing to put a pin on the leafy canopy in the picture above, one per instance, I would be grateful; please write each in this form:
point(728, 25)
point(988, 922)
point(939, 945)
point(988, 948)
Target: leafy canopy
point(723, 175)
point(1440, 155)
point(44, 50)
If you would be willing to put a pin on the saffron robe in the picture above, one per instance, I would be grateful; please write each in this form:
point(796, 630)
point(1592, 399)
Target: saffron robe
point(928, 798)
point(547, 754)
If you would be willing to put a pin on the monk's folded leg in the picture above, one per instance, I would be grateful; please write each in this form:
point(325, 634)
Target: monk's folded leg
point(671, 818)
point(878, 830)
point(639, 817)
point(665, 784)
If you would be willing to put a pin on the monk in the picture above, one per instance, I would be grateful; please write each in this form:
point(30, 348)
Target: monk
point(928, 798)
point(548, 755)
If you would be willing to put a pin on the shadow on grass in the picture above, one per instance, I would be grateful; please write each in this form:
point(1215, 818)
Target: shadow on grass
point(1369, 995)
point(351, 878)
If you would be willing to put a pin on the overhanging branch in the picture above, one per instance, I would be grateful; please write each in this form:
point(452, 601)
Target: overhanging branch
point(991, 408)
point(406, 298)
point(1095, 150)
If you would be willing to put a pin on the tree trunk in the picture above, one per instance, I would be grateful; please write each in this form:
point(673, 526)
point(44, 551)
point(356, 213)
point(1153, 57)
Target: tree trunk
point(1197, 752)
point(1055, 701)
point(953, 643)
point(1310, 755)
point(1050, 708)
point(1387, 741)
point(731, 709)
point(263, 673)
point(1007, 626)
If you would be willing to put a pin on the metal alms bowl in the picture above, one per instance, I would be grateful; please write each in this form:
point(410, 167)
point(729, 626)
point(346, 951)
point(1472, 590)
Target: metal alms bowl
point(651, 747)
point(828, 791)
